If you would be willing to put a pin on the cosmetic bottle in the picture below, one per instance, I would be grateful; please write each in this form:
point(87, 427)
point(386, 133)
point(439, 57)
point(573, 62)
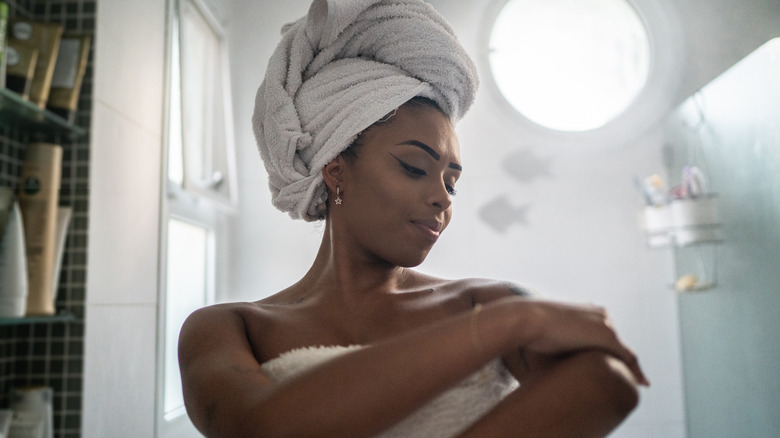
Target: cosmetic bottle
point(34, 405)
point(13, 266)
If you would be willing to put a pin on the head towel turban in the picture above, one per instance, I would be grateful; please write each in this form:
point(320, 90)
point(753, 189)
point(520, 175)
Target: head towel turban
point(338, 70)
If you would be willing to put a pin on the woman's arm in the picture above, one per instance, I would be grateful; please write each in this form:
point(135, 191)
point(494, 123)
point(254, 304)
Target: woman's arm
point(363, 392)
point(524, 362)
point(590, 391)
point(587, 394)
point(227, 393)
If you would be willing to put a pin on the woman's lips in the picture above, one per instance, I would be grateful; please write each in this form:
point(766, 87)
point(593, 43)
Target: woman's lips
point(430, 228)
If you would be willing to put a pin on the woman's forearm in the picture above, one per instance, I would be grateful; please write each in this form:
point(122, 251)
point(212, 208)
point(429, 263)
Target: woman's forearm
point(366, 391)
point(587, 394)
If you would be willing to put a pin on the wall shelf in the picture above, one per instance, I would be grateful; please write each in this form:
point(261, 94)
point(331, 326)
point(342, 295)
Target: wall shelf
point(692, 229)
point(63, 316)
point(16, 112)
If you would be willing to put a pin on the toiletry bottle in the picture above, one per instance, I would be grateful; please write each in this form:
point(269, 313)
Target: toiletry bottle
point(36, 400)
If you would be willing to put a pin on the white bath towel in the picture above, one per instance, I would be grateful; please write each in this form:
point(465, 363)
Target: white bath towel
point(338, 70)
point(447, 415)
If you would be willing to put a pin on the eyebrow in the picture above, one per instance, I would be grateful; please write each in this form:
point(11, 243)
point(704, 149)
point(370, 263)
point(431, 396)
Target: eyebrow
point(429, 150)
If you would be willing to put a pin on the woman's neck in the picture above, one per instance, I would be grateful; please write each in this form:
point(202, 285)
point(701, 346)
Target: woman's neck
point(340, 271)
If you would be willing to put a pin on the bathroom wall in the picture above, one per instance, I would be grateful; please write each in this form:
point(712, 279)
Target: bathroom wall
point(259, 230)
point(125, 191)
point(731, 130)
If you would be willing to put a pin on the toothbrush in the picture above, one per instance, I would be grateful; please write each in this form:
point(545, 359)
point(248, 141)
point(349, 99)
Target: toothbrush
point(642, 190)
point(655, 188)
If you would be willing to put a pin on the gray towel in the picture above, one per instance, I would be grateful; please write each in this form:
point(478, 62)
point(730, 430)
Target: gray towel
point(338, 70)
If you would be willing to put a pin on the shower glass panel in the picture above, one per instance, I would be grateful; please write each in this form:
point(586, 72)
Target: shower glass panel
point(730, 129)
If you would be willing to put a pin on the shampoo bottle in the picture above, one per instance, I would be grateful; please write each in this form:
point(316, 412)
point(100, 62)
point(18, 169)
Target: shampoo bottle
point(38, 199)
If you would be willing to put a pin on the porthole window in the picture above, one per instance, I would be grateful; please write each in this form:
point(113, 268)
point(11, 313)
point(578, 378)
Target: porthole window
point(569, 65)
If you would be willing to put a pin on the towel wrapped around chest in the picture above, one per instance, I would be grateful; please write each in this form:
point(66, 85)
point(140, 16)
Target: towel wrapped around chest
point(447, 415)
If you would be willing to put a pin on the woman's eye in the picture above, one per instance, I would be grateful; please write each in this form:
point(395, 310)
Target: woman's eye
point(415, 171)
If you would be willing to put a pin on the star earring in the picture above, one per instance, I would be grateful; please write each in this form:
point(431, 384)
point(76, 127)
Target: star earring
point(338, 198)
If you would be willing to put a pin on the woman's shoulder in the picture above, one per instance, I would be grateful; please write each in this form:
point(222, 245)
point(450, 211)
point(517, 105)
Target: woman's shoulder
point(243, 311)
point(226, 308)
point(481, 289)
point(247, 326)
point(222, 314)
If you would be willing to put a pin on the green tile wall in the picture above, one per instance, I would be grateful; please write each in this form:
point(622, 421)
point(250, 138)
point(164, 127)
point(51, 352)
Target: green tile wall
point(52, 353)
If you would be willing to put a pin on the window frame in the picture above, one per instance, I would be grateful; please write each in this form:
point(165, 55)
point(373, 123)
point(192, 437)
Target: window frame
point(198, 185)
point(185, 200)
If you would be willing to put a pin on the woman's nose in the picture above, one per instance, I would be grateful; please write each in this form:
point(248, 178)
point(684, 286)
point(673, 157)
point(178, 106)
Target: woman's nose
point(441, 198)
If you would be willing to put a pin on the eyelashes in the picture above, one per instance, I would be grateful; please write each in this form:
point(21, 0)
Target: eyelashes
point(419, 173)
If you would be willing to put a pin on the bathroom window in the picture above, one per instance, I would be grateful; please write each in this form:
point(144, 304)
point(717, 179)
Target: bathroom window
point(189, 286)
point(569, 65)
point(201, 155)
point(200, 190)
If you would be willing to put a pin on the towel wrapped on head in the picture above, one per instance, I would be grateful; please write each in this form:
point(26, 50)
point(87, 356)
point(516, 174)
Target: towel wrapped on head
point(336, 72)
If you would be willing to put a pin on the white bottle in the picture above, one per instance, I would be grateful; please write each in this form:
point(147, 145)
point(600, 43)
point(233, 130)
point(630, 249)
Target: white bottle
point(13, 267)
point(36, 401)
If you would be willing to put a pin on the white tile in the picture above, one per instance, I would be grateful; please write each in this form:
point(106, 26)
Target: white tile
point(130, 59)
point(124, 154)
point(631, 429)
point(124, 211)
point(668, 429)
point(119, 371)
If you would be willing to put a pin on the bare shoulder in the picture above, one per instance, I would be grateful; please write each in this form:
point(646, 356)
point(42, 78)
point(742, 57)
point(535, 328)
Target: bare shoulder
point(215, 327)
point(483, 290)
point(247, 324)
point(219, 365)
point(225, 315)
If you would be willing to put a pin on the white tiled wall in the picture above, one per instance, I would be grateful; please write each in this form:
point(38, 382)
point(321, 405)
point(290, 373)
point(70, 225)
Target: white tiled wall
point(124, 220)
point(119, 387)
point(129, 54)
point(120, 344)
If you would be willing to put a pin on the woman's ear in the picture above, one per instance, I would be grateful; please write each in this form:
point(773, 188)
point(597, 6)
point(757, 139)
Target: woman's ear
point(333, 173)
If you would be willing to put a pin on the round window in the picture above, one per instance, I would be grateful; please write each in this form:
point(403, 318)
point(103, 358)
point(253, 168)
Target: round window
point(569, 65)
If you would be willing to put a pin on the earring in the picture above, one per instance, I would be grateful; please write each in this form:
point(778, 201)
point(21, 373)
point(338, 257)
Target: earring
point(338, 198)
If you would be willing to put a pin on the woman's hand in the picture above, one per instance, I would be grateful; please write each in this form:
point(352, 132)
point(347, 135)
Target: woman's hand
point(554, 328)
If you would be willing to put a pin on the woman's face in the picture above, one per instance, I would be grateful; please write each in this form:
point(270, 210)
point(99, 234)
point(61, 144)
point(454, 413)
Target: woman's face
point(397, 193)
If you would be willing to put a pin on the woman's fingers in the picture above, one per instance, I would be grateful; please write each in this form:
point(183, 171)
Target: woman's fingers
point(567, 327)
point(630, 359)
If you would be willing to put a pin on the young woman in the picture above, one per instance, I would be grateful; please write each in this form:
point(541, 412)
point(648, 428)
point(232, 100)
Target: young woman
point(363, 345)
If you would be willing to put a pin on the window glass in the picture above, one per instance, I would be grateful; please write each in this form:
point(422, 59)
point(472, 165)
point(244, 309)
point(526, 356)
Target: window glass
point(175, 144)
point(189, 285)
point(200, 189)
point(205, 111)
point(569, 65)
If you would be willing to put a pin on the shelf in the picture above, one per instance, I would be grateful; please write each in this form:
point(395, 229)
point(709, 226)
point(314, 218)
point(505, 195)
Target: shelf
point(17, 112)
point(676, 245)
point(60, 317)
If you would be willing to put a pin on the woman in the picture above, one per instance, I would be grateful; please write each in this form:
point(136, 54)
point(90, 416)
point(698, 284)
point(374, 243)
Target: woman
point(364, 345)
